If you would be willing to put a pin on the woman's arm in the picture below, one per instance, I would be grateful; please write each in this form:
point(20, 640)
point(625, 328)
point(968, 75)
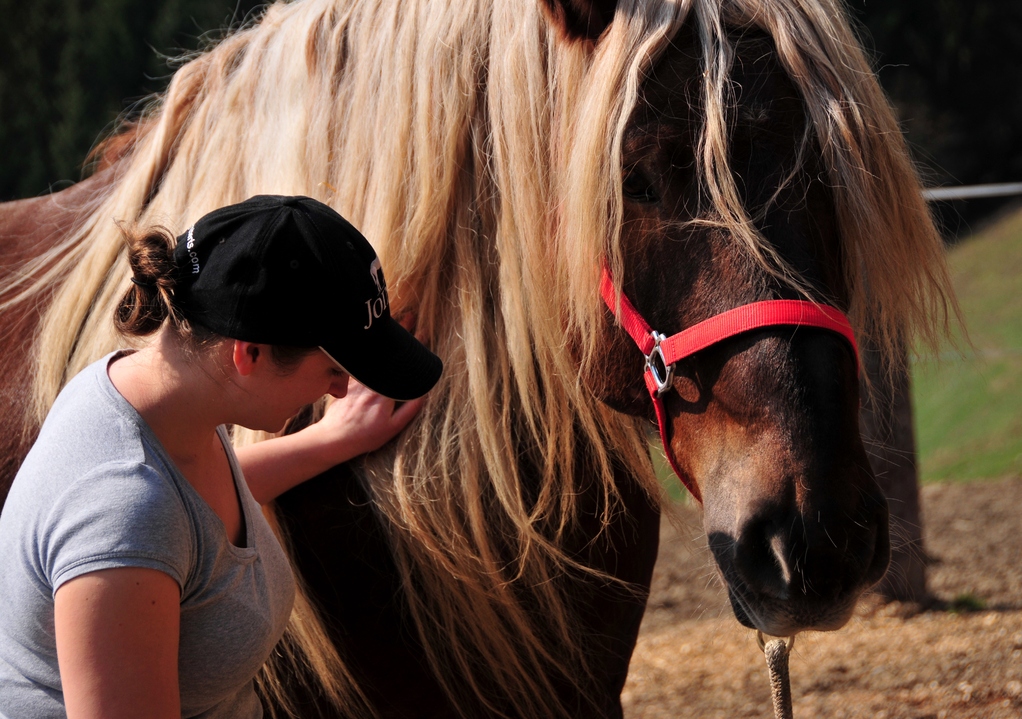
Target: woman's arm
point(353, 425)
point(117, 644)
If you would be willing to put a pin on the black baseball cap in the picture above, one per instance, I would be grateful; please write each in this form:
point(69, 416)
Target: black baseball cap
point(291, 271)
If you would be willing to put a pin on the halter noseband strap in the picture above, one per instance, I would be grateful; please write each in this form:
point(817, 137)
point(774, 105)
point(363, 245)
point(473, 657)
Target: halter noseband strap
point(663, 352)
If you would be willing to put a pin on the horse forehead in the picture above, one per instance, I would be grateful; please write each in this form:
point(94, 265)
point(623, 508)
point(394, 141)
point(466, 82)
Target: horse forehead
point(673, 85)
point(760, 81)
point(759, 84)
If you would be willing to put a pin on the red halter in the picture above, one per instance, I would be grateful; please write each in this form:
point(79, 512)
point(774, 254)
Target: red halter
point(720, 327)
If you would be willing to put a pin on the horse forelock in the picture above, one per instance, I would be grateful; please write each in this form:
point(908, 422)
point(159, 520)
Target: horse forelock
point(893, 256)
point(894, 268)
point(480, 152)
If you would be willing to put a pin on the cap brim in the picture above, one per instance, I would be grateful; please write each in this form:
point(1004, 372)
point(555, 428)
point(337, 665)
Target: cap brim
point(391, 362)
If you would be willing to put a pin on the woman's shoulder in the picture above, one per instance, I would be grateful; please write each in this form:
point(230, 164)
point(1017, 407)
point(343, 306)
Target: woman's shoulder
point(89, 424)
point(117, 513)
point(93, 486)
point(89, 386)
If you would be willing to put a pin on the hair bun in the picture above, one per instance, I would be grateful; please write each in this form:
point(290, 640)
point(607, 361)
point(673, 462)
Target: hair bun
point(147, 303)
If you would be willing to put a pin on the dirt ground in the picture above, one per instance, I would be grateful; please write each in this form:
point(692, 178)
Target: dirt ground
point(890, 662)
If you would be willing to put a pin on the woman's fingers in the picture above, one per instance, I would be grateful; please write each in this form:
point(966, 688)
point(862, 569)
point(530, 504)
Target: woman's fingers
point(365, 420)
point(406, 411)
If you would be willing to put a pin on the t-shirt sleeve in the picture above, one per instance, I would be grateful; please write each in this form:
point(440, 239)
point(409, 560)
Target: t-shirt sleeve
point(118, 515)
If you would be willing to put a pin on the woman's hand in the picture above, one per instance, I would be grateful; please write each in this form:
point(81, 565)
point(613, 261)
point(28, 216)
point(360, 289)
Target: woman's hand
point(358, 423)
point(353, 425)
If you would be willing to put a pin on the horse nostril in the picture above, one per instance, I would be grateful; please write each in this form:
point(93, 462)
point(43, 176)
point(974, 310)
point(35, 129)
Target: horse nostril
point(777, 547)
point(761, 559)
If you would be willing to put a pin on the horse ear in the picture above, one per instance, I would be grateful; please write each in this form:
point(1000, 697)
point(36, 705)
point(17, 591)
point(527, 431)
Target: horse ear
point(580, 19)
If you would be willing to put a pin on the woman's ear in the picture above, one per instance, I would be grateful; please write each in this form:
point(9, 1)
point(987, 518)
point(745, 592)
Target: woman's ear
point(246, 356)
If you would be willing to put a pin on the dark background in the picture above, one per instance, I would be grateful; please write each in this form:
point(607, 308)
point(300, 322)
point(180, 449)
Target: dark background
point(70, 68)
point(953, 69)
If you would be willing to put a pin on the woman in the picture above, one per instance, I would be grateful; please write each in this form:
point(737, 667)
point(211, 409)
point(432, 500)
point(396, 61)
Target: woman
point(138, 576)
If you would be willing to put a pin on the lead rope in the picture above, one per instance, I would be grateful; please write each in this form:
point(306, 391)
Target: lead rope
point(776, 652)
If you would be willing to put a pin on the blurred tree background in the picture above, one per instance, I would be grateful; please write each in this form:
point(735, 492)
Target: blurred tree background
point(954, 72)
point(70, 68)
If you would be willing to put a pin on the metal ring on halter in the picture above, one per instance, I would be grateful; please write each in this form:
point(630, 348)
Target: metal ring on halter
point(789, 642)
point(662, 383)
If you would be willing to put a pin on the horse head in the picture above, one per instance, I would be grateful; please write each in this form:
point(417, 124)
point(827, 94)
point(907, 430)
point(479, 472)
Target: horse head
point(764, 424)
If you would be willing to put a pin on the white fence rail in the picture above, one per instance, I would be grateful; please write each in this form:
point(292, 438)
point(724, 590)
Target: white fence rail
point(968, 192)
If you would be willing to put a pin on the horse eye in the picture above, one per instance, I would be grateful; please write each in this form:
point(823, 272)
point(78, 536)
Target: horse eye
point(635, 186)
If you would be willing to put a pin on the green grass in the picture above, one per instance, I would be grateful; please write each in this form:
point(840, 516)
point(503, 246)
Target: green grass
point(676, 491)
point(965, 603)
point(968, 402)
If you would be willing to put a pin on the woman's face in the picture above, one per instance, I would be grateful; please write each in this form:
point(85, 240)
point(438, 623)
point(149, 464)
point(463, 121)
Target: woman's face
point(276, 396)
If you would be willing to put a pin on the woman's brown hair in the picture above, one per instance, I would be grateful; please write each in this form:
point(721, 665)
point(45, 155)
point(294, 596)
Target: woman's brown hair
point(148, 302)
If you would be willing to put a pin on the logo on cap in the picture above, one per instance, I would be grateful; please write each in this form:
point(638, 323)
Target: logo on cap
point(375, 307)
point(193, 257)
point(376, 270)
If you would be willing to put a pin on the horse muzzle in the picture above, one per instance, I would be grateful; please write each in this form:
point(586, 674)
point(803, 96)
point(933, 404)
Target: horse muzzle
point(789, 569)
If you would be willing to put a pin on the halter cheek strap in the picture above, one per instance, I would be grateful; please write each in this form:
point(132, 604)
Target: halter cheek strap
point(663, 352)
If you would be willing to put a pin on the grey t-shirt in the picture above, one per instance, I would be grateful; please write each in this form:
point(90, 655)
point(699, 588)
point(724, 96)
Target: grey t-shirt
point(98, 491)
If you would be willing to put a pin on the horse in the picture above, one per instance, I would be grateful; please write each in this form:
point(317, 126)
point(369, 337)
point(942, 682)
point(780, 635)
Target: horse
point(533, 173)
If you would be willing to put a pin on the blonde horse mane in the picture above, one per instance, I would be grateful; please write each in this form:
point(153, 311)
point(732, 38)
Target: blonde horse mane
point(480, 152)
